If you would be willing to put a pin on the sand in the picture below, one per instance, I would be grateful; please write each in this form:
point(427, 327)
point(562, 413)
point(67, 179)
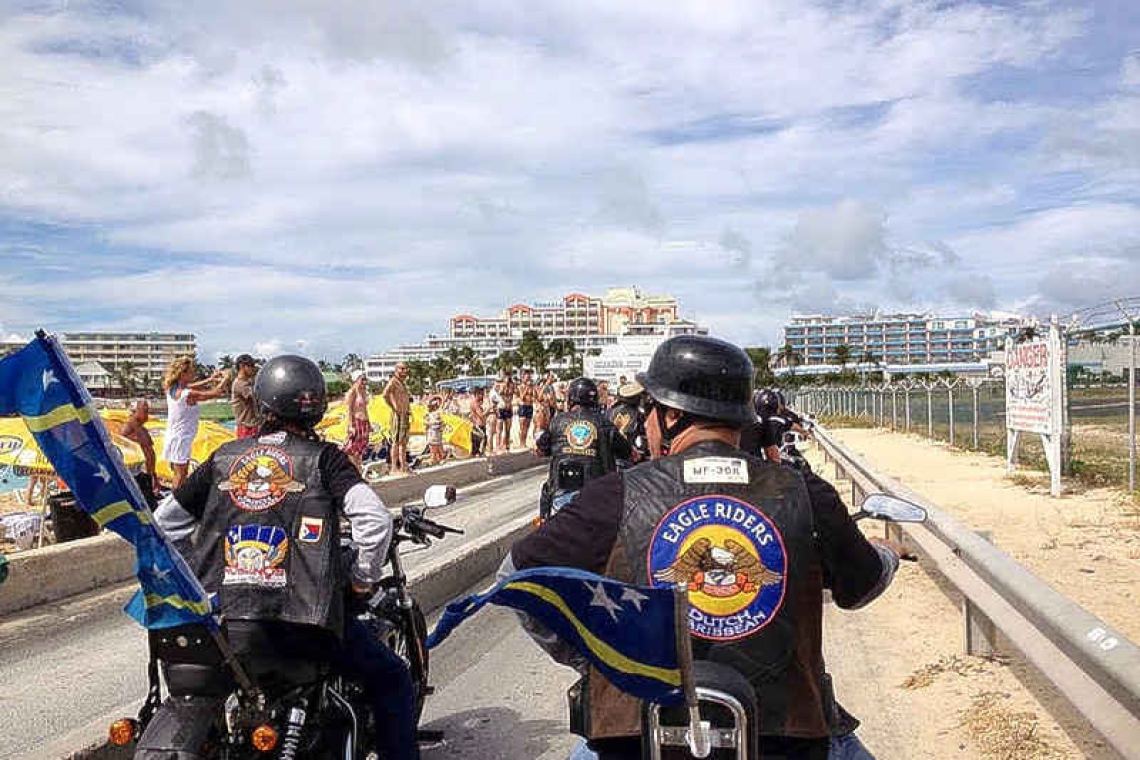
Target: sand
point(902, 670)
point(1086, 544)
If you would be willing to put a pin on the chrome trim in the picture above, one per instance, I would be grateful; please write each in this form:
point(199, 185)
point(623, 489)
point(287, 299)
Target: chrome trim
point(676, 736)
point(350, 743)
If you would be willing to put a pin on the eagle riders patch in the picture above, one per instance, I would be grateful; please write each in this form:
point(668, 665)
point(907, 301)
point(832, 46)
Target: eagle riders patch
point(731, 557)
point(255, 555)
point(260, 479)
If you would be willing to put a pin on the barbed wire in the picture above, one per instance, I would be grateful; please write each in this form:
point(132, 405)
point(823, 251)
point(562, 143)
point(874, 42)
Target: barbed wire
point(1109, 315)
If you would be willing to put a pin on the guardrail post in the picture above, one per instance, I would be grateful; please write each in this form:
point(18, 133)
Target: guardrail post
point(978, 631)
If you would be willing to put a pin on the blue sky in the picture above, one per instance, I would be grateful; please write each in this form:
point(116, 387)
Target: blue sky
point(340, 176)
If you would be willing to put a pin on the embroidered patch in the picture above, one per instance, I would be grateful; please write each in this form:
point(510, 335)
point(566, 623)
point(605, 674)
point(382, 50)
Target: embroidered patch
point(312, 528)
point(716, 470)
point(581, 435)
point(261, 478)
point(731, 557)
point(255, 555)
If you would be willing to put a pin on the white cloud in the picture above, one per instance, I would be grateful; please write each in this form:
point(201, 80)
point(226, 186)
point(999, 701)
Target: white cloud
point(349, 175)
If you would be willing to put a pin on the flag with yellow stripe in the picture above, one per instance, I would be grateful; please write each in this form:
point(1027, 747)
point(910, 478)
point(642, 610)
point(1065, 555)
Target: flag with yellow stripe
point(39, 384)
point(627, 632)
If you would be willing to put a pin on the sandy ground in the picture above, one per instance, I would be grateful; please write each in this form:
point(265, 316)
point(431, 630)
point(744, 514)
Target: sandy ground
point(923, 697)
point(1087, 543)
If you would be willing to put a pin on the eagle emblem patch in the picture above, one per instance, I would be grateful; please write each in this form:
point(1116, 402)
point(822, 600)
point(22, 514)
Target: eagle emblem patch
point(732, 559)
point(255, 555)
point(261, 478)
point(581, 436)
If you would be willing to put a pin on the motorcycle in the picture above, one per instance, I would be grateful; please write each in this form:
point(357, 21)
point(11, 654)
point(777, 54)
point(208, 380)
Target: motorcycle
point(571, 478)
point(728, 704)
point(227, 706)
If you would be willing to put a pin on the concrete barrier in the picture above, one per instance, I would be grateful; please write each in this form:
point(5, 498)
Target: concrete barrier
point(42, 576)
point(433, 584)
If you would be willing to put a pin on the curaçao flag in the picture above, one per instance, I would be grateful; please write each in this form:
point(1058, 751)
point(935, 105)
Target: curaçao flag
point(38, 383)
point(627, 632)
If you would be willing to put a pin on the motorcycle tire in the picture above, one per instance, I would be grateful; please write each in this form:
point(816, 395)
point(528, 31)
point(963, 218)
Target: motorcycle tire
point(400, 639)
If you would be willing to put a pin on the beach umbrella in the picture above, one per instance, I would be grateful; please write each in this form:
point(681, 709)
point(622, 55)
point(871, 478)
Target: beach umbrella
point(19, 451)
point(456, 430)
point(210, 436)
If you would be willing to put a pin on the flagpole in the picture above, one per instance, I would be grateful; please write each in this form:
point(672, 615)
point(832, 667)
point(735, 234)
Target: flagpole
point(700, 740)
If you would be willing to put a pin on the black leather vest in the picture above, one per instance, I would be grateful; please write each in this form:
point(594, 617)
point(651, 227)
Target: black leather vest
point(582, 436)
point(739, 532)
point(269, 540)
point(626, 418)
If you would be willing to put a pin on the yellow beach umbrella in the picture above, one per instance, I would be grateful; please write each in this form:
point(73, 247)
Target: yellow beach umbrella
point(18, 449)
point(210, 436)
point(456, 430)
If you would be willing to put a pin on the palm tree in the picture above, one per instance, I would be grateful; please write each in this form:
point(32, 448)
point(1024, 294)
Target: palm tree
point(351, 362)
point(843, 356)
point(788, 355)
point(418, 371)
point(531, 350)
point(126, 375)
point(225, 361)
point(865, 358)
point(441, 368)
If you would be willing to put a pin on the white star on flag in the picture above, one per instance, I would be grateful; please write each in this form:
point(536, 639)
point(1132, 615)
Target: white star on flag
point(103, 474)
point(601, 599)
point(159, 574)
point(634, 597)
point(49, 378)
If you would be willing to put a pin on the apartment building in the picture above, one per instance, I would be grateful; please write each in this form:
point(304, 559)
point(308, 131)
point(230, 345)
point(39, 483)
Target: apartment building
point(150, 353)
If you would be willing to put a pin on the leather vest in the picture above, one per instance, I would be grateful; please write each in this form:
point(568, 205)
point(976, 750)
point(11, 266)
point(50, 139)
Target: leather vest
point(626, 418)
point(269, 538)
point(582, 436)
point(739, 531)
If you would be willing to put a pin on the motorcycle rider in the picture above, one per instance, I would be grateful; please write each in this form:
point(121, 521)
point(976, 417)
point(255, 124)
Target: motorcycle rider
point(582, 435)
point(762, 438)
point(763, 612)
point(626, 416)
point(287, 484)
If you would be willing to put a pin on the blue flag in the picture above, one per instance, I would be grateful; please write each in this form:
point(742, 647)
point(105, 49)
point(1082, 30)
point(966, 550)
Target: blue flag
point(38, 383)
point(626, 632)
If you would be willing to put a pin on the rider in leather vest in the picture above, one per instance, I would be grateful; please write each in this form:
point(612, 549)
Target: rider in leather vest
point(626, 416)
point(755, 542)
point(263, 516)
point(581, 435)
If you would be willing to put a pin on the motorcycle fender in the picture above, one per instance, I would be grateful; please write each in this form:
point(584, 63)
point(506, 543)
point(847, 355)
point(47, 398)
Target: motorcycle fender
point(181, 729)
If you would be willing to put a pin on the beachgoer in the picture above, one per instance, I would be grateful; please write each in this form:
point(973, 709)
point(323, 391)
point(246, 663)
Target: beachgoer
point(604, 399)
point(183, 394)
point(527, 395)
point(357, 422)
point(478, 417)
point(241, 397)
point(503, 395)
point(400, 401)
point(135, 429)
point(433, 427)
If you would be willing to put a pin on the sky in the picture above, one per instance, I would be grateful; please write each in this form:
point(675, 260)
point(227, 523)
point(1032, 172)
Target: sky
point(328, 176)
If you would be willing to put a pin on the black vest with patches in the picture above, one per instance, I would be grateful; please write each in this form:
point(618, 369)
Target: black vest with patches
point(782, 658)
point(582, 436)
point(269, 538)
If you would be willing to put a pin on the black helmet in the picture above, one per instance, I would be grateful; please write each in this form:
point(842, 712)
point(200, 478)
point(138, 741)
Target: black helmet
point(767, 403)
point(582, 392)
point(291, 388)
point(702, 376)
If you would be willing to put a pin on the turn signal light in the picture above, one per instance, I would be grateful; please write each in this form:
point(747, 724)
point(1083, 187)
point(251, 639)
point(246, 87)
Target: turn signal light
point(264, 738)
point(123, 731)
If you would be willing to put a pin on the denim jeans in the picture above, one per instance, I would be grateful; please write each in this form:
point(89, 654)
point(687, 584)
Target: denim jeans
point(848, 747)
point(388, 685)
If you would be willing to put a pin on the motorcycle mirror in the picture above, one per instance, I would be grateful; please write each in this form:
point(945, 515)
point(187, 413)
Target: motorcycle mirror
point(884, 507)
point(439, 496)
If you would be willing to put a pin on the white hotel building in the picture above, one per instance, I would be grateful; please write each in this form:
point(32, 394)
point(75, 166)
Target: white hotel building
point(898, 343)
point(594, 324)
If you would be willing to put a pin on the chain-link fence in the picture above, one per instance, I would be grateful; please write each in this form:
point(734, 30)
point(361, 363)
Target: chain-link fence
point(969, 413)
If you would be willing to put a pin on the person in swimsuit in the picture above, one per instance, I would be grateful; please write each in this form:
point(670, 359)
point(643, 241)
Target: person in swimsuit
point(359, 426)
point(527, 394)
point(400, 401)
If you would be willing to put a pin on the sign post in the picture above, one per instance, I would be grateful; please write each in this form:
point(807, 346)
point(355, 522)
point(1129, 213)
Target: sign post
point(1035, 397)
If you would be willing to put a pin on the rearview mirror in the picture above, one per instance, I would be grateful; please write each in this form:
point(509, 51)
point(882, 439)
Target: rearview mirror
point(884, 507)
point(439, 496)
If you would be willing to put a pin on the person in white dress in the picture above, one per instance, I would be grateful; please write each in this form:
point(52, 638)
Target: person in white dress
point(182, 396)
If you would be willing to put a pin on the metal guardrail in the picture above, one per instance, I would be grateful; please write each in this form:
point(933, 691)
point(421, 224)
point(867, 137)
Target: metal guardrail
point(1095, 668)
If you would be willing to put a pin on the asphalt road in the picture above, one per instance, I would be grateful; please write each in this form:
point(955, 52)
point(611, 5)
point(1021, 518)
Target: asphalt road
point(67, 669)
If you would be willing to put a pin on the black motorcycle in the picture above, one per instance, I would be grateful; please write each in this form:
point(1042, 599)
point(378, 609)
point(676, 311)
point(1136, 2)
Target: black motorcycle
point(275, 700)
